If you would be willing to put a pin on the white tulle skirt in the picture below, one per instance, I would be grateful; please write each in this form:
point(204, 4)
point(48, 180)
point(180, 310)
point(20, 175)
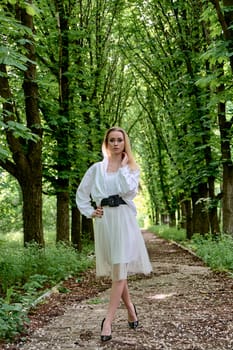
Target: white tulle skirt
point(119, 246)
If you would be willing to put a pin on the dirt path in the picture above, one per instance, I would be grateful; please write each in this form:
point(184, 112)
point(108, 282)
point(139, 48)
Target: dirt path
point(183, 305)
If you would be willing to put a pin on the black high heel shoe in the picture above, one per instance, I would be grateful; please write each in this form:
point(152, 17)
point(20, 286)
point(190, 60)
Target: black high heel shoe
point(105, 337)
point(133, 324)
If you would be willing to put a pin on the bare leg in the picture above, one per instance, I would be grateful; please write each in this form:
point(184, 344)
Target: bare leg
point(128, 303)
point(115, 297)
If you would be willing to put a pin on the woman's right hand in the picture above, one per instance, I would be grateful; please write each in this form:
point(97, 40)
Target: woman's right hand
point(98, 212)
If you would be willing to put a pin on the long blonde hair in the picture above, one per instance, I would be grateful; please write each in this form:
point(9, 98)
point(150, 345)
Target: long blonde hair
point(132, 163)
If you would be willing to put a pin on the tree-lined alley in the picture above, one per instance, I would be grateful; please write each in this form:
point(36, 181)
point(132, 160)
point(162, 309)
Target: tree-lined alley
point(160, 69)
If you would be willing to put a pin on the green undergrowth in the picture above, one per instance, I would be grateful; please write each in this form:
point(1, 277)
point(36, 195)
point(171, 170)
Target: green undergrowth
point(27, 273)
point(167, 232)
point(216, 251)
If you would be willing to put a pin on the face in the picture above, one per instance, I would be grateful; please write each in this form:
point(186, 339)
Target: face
point(116, 143)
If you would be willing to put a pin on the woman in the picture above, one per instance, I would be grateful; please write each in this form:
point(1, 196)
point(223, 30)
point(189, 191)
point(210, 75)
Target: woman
point(119, 246)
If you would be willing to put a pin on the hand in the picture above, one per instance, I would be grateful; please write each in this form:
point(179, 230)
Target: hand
point(125, 159)
point(98, 212)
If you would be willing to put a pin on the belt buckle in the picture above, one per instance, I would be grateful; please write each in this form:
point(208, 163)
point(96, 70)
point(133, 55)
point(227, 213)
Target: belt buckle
point(113, 201)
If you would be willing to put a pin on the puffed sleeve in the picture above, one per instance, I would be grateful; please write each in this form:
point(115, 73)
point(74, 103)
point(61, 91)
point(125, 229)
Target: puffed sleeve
point(128, 182)
point(83, 194)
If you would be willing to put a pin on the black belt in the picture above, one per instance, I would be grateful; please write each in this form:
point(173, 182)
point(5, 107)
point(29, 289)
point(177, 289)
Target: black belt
point(112, 201)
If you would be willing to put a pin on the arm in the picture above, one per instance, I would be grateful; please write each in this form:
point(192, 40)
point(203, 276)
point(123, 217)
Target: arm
point(128, 182)
point(83, 194)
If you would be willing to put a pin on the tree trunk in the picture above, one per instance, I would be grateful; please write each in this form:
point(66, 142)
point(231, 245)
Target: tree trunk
point(227, 202)
point(87, 227)
point(76, 229)
point(62, 133)
point(63, 219)
point(213, 214)
point(226, 21)
point(32, 206)
point(188, 218)
point(200, 212)
point(172, 219)
point(156, 217)
point(32, 213)
point(227, 198)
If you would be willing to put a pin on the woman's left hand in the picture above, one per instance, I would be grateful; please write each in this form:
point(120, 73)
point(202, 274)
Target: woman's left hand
point(124, 159)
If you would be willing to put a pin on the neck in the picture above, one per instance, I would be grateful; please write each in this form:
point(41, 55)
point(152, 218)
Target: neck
point(115, 158)
point(114, 163)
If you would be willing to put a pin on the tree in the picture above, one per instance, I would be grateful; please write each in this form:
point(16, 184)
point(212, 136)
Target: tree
point(22, 124)
point(85, 87)
point(224, 11)
point(169, 65)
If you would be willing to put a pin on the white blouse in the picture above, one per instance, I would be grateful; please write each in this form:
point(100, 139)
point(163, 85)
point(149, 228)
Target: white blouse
point(93, 186)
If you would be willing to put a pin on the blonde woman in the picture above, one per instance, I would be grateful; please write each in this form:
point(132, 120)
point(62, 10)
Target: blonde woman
point(119, 246)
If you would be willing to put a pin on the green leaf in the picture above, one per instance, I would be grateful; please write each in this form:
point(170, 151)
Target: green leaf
point(4, 154)
point(31, 10)
point(20, 130)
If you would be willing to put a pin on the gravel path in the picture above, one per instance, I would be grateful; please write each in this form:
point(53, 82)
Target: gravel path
point(183, 305)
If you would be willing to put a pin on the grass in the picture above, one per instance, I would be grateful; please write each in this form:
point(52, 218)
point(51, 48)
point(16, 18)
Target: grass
point(22, 267)
point(15, 238)
point(215, 251)
point(167, 232)
point(26, 273)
